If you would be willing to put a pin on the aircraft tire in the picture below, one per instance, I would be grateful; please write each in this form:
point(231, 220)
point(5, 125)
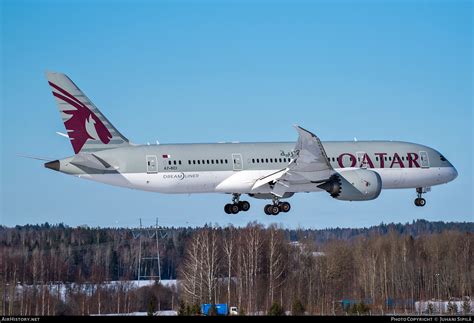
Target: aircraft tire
point(284, 207)
point(227, 209)
point(275, 209)
point(244, 206)
point(267, 209)
point(421, 202)
point(234, 208)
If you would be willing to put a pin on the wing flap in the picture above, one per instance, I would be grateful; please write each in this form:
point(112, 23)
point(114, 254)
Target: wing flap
point(269, 178)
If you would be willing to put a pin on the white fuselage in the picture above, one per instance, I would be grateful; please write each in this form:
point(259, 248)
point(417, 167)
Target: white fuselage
point(400, 165)
point(242, 181)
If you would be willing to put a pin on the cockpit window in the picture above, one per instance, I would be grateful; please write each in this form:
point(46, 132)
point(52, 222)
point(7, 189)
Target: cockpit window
point(442, 158)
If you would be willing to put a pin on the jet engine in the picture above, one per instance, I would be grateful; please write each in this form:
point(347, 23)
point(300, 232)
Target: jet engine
point(354, 185)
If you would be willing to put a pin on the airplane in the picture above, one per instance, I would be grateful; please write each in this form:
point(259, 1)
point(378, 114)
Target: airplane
point(275, 171)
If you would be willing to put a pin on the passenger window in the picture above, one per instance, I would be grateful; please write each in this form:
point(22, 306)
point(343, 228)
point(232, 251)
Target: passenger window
point(212, 161)
point(194, 162)
point(148, 163)
point(174, 162)
point(199, 162)
point(222, 162)
point(217, 161)
point(376, 158)
point(253, 160)
point(169, 162)
point(179, 162)
point(390, 158)
point(266, 160)
point(226, 161)
point(280, 160)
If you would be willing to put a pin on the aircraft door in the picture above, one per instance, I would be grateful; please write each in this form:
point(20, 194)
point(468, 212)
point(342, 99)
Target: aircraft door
point(425, 162)
point(360, 159)
point(151, 164)
point(237, 161)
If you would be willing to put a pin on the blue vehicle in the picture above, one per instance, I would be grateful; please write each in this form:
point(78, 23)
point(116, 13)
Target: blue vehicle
point(222, 309)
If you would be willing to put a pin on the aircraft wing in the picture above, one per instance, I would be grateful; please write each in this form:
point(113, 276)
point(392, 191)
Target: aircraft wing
point(311, 165)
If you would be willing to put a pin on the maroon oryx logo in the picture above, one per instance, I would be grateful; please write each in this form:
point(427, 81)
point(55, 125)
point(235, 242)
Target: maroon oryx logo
point(83, 124)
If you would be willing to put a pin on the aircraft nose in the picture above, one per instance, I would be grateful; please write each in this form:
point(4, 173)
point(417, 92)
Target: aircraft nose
point(454, 173)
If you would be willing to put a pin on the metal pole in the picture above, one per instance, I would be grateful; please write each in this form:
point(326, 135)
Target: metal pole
point(140, 252)
point(158, 250)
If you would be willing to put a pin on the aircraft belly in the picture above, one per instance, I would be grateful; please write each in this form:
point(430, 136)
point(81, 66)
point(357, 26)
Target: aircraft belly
point(393, 178)
point(241, 181)
point(178, 182)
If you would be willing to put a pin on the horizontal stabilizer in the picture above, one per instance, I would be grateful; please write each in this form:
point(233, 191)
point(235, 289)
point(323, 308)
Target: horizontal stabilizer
point(91, 161)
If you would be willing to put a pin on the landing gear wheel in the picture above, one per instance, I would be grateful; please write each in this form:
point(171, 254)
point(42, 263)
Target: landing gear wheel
point(267, 209)
point(421, 202)
point(227, 208)
point(244, 206)
point(275, 209)
point(234, 208)
point(284, 207)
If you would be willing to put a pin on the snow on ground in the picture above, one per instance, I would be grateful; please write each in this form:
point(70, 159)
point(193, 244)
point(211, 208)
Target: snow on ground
point(158, 313)
point(90, 288)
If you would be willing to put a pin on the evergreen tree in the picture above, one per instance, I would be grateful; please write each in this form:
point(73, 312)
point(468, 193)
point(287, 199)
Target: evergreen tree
point(151, 305)
point(297, 308)
point(466, 305)
point(276, 310)
point(430, 308)
point(452, 308)
point(183, 309)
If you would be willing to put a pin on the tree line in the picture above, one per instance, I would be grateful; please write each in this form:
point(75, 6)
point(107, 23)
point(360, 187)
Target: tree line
point(256, 268)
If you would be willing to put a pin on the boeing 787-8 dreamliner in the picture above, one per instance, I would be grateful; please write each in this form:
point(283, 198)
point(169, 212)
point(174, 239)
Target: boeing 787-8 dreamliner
point(347, 170)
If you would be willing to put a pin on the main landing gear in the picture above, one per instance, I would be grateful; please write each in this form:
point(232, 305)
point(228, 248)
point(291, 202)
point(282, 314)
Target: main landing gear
point(236, 205)
point(276, 207)
point(420, 201)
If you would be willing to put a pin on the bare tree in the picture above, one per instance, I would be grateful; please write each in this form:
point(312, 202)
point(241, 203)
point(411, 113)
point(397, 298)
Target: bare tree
point(229, 247)
point(276, 263)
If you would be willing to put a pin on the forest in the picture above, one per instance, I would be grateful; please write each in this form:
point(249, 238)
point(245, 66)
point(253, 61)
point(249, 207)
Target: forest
point(56, 269)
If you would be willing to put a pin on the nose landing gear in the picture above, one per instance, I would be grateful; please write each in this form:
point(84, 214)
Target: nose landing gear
point(420, 201)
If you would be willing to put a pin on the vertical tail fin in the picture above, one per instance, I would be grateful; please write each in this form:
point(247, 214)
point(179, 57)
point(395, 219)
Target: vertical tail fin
point(87, 128)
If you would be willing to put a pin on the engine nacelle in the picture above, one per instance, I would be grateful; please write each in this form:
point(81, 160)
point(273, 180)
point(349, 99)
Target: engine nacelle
point(354, 185)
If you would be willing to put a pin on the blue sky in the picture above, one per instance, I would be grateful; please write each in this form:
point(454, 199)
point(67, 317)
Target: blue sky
point(202, 71)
